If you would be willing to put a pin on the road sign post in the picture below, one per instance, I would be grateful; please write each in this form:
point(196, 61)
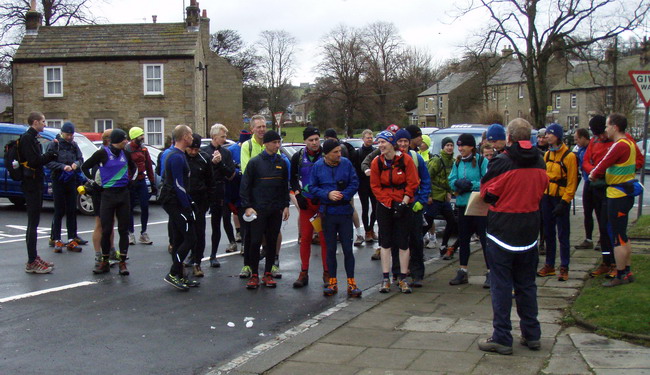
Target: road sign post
point(641, 81)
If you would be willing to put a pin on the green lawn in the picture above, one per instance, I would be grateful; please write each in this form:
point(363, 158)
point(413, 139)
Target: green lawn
point(640, 229)
point(625, 308)
point(294, 135)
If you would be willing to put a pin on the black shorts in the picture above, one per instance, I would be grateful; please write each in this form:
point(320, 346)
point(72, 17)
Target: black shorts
point(618, 210)
point(97, 201)
point(392, 232)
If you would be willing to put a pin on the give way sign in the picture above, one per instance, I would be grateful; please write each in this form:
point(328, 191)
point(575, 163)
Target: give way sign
point(641, 81)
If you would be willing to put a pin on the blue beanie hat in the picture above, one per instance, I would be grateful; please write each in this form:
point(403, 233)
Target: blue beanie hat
point(244, 135)
point(496, 132)
point(67, 127)
point(388, 137)
point(555, 129)
point(402, 133)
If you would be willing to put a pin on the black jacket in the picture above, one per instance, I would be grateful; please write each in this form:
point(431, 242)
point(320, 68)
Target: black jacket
point(222, 171)
point(362, 153)
point(265, 184)
point(202, 185)
point(31, 151)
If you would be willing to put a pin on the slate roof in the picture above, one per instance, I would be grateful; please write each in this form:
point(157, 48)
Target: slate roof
point(448, 84)
point(597, 74)
point(121, 41)
point(509, 73)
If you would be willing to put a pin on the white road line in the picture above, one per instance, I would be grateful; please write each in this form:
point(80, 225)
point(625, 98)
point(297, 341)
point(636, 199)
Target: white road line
point(237, 252)
point(45, 291)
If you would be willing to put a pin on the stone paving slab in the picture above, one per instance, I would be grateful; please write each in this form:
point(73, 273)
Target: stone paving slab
point(303, 368)
point(593, 341)
point(476, 327)
point(621, 371)
point(392, 359)
point(435, 341)
point(557, 292)
point(617, 358)
point(378, 371)
point(567, 363)
point(378, 319)
point(363, 337)
point(496, 364)
point(328, 353)
point(460, 362)
point(552, 303)
point(427, 324)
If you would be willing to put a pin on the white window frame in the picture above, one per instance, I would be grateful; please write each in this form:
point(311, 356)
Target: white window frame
point(440, 102)
point(103, 128)
point(146, 79)
point(521, 91)
point(426, 104)
point(574, 100)
point(148, 133)
point(46, 92)
point(54, 123)
point(558, 101)
point(494, 94)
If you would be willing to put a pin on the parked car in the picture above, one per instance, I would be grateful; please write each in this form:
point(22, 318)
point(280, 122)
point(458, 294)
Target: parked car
point(428, 131)
point(647, 154)
point(456, 130)
point(288, 149)
point(355, 142)
point(206, 141)
point(11, 189)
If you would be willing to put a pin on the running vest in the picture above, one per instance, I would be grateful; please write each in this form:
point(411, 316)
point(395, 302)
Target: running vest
point(620, 173)
point(115, 172)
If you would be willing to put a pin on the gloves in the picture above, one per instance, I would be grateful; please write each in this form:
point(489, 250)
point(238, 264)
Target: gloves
point(417, 206)
point(560, 208)
point(463, 185)
point(302, 201)
point(490, 198)
point(399, 209)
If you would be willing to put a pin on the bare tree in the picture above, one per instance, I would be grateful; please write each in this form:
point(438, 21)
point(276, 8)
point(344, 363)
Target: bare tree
point(342, 67)
point(383, 49)
point(277, 66)
point(416, 74)
point(539, 30)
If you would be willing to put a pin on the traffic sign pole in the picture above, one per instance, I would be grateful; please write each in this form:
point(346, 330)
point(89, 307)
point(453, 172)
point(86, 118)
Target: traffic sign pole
point(641, 82)
point(645, 154)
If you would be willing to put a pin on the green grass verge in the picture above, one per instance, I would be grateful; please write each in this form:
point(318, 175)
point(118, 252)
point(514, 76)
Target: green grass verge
point(625, 308)
point(640, 229)
point(294, 135)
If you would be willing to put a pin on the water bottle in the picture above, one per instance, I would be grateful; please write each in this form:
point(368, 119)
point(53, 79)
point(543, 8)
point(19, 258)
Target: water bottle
point(15, 164)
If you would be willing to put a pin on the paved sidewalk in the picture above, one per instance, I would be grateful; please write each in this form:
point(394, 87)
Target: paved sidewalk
point(435, 331)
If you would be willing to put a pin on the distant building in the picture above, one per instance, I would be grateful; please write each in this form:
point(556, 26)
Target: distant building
point(453, 100)
point(154, 76)
point(508, 93)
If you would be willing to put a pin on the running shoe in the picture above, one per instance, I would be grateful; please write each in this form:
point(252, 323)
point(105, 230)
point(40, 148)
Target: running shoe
point(547, 270)
point(332, 287)
point(253, 282)
point(416, 283)
point(37, 267)
point(73, 246)
point(176, 282)
point(303, 280)
point(490, 345)
point(275, 272)
point(80, 241)
point(58, 246)
point(629, 278)
point(326, 278)
point(113, 257)
point(131, 239)
point(531, 344)
point(612, 272)
point(461, 278)
point(123, 270)
point(190, 283)
point(51, 242)
point(245, 272)
point(385, 286)
point(353, 289)
point(369, 238)
point(232, 247)
point(586, 244)
point(47, 264)
point(144, 239)
point(450, 253)
point(197, 271)
point(376, 255)
point(214, 263)
point(170, 248)
point(268, 281)
point(101, 267)
point(404, 287)
point(358, 240)
point(238, 237)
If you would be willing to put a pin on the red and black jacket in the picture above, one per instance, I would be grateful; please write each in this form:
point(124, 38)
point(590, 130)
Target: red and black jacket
point(514, 184)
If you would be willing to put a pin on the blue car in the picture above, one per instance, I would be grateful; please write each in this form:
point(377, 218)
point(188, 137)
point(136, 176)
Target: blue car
point(11, 189)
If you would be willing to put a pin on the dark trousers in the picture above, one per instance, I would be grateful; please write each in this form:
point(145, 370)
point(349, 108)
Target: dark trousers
point(444, 209)
point(65, 203)
point(599, 196)
point(198, 249)
point(366, 196)
point(114, 204)
point(562, 224)
point(266, 226)
point(227, 225)
point(513, 270)
point(183, 237)
point(342, 226)
point(416, 249)
point(33, 193)
point(244, 231)
point(140, 192)
point(468, 225)
point(216, 210)
point(588, 206)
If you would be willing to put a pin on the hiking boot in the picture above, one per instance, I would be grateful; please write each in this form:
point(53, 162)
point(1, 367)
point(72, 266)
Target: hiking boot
point(326, 278)
point(616, 281)
point(47, 264)
point(353, 289)
point(404, 287)
point(144, 239)
point(214, 263)
point(80, 241)
point(612, 272)
point(245, 273)
point(490, 346)
point(461, 278)
point(122, 269)
point(332, 287)
point(547, 270)
point(542, 248)
point(58, 246)
point(176, 282)
point(586, 244)
point(268, 281)
point(376, 255)
point(358, 240)
point(601, 270)
point(73, 246)
point(375, 237)
point(37, 267)
point(101, 267)
point(385, 286)
point(197, 271)
point(238, 237)
point(449, 254)
point(253, 282)
point(131, 239)
point(275, 272)
point(368, 237)
point(564, 274)
point(232, 247)
point(531, 344)
point(486, 283)
point(416, 283)
point(190, 283)
point(51, 242)
point(303, 279)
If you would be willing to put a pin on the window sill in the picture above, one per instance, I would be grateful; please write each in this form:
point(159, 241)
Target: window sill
point(53, 97)
point(154, 96)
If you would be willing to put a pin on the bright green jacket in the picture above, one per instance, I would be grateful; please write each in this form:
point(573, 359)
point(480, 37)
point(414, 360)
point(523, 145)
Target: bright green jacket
point(439, 168)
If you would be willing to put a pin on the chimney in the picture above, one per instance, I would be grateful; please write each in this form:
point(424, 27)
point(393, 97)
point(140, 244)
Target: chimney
point(205, 32)
point(33, 20)
point(506, 51)
point(192, 20)
point(154, 18)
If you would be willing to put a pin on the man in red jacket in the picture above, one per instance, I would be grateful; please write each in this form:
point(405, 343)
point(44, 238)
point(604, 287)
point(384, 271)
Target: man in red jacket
point(513, 186)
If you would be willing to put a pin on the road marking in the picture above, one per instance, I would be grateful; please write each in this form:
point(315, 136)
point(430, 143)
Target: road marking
point(237, 252)
point(45, 291)
point(279, 339)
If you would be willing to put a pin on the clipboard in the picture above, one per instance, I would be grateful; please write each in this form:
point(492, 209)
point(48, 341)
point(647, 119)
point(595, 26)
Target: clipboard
point(476, 206)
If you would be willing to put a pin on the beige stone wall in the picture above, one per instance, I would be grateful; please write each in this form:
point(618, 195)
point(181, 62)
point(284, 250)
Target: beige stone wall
point(507, 99)
point(225, 96)
point(463, 104)
point(114, 89)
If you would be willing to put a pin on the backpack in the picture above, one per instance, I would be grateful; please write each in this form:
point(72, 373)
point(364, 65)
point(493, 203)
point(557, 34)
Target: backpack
point(563, 180)
point(414, 156)
point(12, 160)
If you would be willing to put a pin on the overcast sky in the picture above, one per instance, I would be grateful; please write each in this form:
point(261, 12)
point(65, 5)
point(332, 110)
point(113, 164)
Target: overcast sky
point(426, 24)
